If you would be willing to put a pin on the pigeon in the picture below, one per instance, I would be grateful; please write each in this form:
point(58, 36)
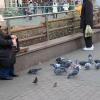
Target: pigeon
point(35, 80)
point(66, 64)
point(63, 62)
point(74, 72)
point(58, 69)
point(34, 71)
point(55, 84)
point(87, 66)
point(56, 65)
point(90, 59)
point(97, 65)
point(97, 61)
point(59, 60)
point(82, 63)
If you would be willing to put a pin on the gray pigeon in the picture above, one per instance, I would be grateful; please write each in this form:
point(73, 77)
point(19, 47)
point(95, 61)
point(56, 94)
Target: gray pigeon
point(55, 84)
point(58, 69)
point(87, 66)
point(97, 65)
point(90, 59)
point(86, 63)
point(75, 71)
point(82, 63)
point(63, 62)
point(35, 81)
point(34, 71)
point(97, 61)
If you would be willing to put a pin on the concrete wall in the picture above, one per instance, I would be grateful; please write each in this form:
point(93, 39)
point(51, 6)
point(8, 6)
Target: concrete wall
point(47, 52)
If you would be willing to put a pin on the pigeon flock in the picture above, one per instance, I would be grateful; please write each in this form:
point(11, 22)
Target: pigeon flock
point(90, 62)
point(72, 68)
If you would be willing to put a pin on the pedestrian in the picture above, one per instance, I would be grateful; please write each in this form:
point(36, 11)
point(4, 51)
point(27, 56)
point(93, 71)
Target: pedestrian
point(30, 10)
point(46, 7)
point(6, 54)
point(71, 5)
point(55, 10)
point(78, 7)
point(87, 19)
point(66, 6)
point(35, 7)
point(42, 7)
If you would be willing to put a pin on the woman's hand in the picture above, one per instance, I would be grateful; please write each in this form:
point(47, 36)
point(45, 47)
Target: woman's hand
point(14, 41)
point(13, 36)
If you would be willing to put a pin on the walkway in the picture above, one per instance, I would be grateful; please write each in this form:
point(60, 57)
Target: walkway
point(36, 21)
point(86, 86)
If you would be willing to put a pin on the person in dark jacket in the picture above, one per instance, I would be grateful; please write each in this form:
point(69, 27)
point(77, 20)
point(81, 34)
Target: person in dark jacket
point(87, 19)
point(7, 42)
point(15, 50)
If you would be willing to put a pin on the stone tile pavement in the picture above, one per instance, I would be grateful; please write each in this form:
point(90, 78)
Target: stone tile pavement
point(86, 86)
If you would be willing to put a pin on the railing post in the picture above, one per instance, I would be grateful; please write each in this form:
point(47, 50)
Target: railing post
point(73, 22)
point(8, 25)
point(46, 23)
point(99, 15)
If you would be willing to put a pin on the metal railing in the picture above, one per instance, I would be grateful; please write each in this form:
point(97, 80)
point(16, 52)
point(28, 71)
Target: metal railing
point(20, 11)
point(44, 15)
point(28, 22)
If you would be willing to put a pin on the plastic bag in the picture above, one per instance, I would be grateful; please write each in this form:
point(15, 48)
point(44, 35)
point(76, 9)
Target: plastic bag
point(88, 31)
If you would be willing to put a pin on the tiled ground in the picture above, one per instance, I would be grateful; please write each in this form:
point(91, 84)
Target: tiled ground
point(86, 86)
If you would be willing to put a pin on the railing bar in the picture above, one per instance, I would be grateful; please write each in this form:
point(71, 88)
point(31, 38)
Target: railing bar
point(33, 37)
point(54, 29)
point(34, 15)
point(24, 29)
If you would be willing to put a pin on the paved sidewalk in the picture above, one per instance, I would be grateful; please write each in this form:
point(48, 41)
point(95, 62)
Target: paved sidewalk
point(86, 86)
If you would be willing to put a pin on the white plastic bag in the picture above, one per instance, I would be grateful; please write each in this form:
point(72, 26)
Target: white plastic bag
point(88, 31)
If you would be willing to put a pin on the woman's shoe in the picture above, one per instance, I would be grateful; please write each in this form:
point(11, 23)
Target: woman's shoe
point(91, 48)
point(6, 78)
point(14, 75)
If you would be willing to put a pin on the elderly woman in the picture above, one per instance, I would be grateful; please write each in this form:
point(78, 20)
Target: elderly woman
point(87, 19)
point(7, 42)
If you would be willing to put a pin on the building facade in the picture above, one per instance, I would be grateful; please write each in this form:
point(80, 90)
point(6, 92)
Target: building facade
point(2, 4)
